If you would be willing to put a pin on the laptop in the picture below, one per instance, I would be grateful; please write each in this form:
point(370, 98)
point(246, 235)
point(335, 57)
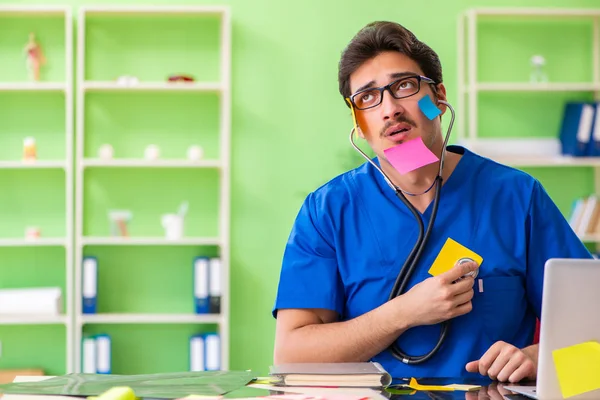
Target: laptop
point(570, 316)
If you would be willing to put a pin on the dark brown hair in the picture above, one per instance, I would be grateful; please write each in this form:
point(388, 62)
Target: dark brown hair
point(381, 36)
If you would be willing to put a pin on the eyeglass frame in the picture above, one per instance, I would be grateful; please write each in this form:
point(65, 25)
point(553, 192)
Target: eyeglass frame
point(387, 87)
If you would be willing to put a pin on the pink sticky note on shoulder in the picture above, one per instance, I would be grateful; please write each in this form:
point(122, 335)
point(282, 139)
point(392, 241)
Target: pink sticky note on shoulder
point(410, 155)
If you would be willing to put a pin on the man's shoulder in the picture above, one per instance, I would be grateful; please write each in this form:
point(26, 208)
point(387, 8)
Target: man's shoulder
point(341, 187)
point(498, 173)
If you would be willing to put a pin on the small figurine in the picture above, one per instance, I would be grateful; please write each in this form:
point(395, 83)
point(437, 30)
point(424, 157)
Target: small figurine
point(29, 149)
point(538, 75)
point(35, 57)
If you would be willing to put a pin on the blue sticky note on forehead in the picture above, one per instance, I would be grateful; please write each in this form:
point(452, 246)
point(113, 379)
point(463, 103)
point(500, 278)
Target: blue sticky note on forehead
point(428, 108)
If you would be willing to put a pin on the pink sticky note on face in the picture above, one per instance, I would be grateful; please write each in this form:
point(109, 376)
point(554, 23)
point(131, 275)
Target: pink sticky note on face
point(410, 155)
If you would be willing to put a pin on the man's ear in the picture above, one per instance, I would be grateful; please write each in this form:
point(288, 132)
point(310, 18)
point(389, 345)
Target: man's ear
point(441, 95)
point(359, 131)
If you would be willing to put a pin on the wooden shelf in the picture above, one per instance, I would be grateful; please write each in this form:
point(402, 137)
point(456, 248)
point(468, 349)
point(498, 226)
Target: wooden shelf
point(536, 87)
point(41, 242)
point(32, 164)
point(99, 86)
point(24, 319)
point(149, 241)
point(150, 318)
point(142, 163)
point(32, 86)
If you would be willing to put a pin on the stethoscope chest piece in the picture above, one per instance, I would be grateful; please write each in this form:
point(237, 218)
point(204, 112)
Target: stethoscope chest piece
point(472, 273)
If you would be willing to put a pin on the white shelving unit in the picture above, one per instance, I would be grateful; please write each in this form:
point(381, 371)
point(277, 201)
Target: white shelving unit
point(469, 88)
point(223, 89)
point(66, 88)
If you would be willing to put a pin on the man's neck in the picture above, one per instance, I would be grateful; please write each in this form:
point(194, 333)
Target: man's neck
point(422, 179)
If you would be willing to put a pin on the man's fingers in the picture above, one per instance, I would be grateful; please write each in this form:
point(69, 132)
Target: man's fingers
point(458, 271)
point(510, 365)
point(463, 298)
point(462, 286)
point(525, 371)
point(486, 361)
point(472, 366)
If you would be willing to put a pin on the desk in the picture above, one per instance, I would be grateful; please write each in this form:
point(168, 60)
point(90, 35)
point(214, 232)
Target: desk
point(489, 391)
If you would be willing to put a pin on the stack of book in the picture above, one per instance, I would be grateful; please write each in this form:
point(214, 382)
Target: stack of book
point(585, 216)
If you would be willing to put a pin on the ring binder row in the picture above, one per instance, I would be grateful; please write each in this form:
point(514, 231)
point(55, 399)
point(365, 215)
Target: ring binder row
point(204, 349)
point(206, 285)
point(580, 129)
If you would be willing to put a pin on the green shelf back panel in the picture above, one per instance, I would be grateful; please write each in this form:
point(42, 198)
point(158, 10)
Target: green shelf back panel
point(148, 348)
point(505, 47)
point(152, 47)
point(40, 115)
point(32, 197)
point(146, 279)
point(14, 35)
point(565, 185)
point(29, 267)
point(150, 193)
point(34, 346)
point(530, 114)
point(130, 121)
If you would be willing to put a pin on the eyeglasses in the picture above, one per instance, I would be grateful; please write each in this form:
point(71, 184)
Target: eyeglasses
point(399, 89)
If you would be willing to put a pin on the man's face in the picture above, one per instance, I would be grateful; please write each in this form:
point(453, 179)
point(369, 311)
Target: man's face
point(394, 120)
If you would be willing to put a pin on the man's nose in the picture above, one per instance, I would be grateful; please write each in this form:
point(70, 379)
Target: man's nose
point(390, 107)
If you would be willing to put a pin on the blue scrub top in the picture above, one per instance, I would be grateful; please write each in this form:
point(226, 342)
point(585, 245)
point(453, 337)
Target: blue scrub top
point(353, 234)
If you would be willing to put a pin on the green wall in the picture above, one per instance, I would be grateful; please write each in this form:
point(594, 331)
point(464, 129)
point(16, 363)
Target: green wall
point(290, 126)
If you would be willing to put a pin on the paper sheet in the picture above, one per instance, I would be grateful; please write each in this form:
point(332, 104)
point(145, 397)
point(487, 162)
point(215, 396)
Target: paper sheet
point(429, 108)
point(410, 155)
point(578, 368)
point(451, 252)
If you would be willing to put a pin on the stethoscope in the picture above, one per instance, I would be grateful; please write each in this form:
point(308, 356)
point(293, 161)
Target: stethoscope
point(415, 254)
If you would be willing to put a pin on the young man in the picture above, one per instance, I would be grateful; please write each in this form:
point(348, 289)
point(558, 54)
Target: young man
point(352, 236)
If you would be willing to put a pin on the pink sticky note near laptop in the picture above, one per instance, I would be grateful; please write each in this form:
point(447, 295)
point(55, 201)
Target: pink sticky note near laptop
point(410, 155)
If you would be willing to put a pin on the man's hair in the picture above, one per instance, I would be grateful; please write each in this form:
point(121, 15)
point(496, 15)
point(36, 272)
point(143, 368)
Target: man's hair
point(378, 37)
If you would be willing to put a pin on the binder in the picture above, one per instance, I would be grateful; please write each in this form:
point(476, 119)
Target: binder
point(88, 349)
point(38, 301)
point(214, 290)
point(212, 343)
point(197, 353)
point(90, 284)
point(576, 128)
point(594, 146)
point(201, 301)
point(103, 356)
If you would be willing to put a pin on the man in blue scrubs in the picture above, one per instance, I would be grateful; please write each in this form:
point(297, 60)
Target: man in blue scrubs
point(352, 235)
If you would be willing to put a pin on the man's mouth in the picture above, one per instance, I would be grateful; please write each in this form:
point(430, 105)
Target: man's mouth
point(398, 133)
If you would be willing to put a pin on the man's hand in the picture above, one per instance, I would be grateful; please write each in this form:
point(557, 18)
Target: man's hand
point(441, 297)
point(504, 362)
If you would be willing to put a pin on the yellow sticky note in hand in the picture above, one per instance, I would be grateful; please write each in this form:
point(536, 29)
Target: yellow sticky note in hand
point(578, 368)
point(451, 252)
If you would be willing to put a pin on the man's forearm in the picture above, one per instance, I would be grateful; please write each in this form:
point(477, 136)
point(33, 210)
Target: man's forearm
point(355, 340)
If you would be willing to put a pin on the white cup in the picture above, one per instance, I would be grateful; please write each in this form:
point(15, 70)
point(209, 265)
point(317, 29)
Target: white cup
point(195, 153)
point(152, 152)
point(106, 152)
point(173, 225)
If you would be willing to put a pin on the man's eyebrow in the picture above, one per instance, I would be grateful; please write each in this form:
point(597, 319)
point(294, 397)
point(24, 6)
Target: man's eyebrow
point(395, 75)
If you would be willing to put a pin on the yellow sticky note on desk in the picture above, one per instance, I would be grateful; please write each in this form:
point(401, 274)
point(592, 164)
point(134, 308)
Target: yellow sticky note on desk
point(451, 252)
point(578, 368)
point(413, 384)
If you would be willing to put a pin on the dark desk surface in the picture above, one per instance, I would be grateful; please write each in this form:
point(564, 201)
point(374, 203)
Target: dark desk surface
point(489, 391)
